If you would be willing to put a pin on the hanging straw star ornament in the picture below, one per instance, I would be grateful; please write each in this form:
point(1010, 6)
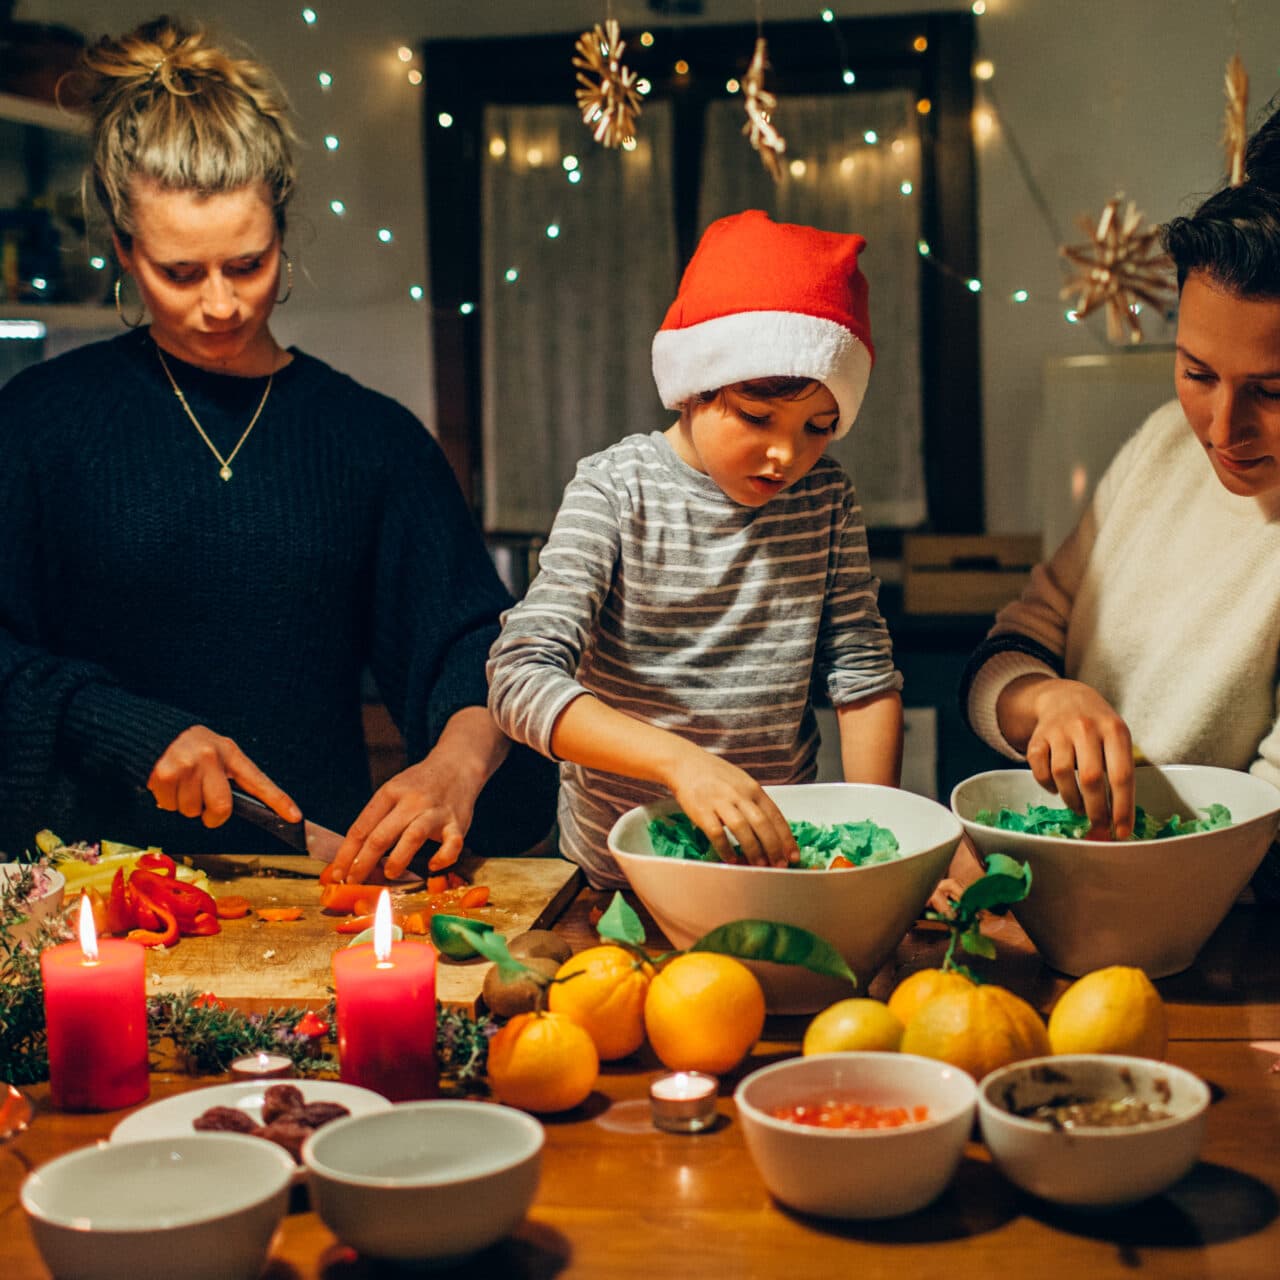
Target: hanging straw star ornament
point(1235, 135)
point(1121, 266)
point(760, 105)
point(607, 98)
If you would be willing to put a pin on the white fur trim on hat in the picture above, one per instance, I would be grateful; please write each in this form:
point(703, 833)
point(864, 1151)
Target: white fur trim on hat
point(762, 344)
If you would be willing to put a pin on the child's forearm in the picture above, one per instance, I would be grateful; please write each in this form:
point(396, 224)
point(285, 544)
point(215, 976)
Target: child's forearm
point(871, 739)
point(593, 734)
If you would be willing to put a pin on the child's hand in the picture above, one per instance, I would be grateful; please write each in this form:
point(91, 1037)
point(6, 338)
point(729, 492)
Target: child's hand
point(723, 800)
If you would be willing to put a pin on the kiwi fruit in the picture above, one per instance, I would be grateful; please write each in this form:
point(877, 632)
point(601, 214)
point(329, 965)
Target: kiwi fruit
point(540, 942)
point(506, 997)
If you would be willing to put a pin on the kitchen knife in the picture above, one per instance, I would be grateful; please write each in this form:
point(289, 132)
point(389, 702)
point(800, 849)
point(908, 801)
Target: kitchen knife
point(306, 837)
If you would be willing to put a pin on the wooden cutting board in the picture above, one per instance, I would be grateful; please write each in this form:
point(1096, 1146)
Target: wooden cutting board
point(255, 966)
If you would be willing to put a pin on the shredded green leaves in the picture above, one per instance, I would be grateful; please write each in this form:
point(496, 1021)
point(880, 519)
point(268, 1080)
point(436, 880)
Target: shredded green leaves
point(859, 843)
point(1041, 820)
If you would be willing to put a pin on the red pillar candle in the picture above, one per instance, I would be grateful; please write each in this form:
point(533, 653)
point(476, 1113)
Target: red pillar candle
point(386, 1004)
point(95, 1008)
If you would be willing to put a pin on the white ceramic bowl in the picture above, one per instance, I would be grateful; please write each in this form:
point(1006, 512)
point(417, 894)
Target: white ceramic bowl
point(205, 1207)
point(1151, 904)
point(425, 1180)
point(39, 908)
point(857, 1173)
point(1093, 1168)
point(862, 911)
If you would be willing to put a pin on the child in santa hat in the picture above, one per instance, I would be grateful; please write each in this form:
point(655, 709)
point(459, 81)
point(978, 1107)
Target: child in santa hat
point(700, 582)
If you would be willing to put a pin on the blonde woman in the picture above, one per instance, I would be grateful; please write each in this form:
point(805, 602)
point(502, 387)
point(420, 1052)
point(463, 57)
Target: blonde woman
point(215, 535)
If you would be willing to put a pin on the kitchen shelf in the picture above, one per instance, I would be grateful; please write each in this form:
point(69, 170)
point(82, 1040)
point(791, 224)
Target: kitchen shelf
point(45, 115)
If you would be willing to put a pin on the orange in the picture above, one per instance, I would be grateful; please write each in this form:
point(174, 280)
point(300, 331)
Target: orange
point(853, 1024)
point(603, 989)
point(703, 1012)
point(978, 1029)
point(1112, 1010)
point(919, 988)
point(542, 1062)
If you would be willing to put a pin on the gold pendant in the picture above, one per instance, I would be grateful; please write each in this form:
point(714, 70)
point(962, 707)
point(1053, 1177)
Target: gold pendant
point(225, 473)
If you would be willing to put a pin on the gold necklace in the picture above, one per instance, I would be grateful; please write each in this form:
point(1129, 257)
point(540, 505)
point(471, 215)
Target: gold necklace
point(224, 469)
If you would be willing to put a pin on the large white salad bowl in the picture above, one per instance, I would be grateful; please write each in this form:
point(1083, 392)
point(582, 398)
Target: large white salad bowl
point(862, 911)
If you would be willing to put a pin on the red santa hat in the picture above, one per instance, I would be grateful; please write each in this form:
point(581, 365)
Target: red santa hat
point(763, 299)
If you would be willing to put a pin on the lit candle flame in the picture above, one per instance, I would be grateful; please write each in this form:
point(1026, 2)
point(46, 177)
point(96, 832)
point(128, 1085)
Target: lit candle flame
point(88, 934)
point(382, 929)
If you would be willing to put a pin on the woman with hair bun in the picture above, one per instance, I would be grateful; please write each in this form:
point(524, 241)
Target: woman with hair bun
point(214, 536)
point(1154, 630)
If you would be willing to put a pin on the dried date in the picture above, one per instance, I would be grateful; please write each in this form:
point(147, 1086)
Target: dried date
point(224, 1120)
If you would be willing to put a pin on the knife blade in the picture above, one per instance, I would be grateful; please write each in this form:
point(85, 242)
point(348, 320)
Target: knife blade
point(310, 838)
point(307, 837)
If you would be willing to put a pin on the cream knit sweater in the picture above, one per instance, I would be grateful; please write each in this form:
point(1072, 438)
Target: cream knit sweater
point(1166, 599)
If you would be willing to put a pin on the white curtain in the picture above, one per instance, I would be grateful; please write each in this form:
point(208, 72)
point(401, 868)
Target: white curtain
point(841, 179)
point(568, 321)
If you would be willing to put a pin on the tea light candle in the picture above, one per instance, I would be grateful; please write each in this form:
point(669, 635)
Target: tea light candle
point(386, 1006)
point(684, 1101)
point(262, 1066)
point(95, 1007)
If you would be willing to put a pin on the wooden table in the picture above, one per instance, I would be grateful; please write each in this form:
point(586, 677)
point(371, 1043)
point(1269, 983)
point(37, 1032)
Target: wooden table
point(620, 1199)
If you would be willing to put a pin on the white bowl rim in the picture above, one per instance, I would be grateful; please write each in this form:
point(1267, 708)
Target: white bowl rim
point(525, 1124)
point(1120, 844)
point(810, 873)
point(767, 1121)
point(199, 1215)
point(986, 1103)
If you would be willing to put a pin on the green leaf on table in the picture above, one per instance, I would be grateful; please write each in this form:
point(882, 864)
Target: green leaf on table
point(778, 943)
point(621, 924)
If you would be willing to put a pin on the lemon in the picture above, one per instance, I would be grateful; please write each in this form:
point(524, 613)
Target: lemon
point(853, 1024)
point(1112, 1010)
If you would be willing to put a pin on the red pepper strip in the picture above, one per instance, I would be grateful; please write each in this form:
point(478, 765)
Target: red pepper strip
point(231, 906)
point(119, 917)
point(185, 900)
point(155, 937)
point(357, 924)
point(204, 926)
point(437, 884)
point(838, 861)
point(154, 860)
point(476, 896)
point(141, 914)
point(279, 915)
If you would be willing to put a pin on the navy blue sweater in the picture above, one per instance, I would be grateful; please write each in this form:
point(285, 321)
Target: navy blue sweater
point(141, 594)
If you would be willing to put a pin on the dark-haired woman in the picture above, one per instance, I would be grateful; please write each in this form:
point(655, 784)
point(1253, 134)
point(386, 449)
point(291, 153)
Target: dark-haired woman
point(210, 537)
point(1154, 630)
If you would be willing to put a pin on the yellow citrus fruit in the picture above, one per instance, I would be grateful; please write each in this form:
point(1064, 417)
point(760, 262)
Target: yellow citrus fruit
point(1113, 1010)
point(853, 1024)
point(919, 988)
point(542, 1062)
point(703, 1012)
point(978, 1029)
point(603, 989)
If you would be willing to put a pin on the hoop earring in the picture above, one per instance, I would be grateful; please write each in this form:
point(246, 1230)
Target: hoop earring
point(124, 320)
point(288, 266)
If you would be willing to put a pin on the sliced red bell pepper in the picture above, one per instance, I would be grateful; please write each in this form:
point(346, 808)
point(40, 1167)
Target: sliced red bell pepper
point(231, 906)
point(341, 899)
point(165, 936)
point(154, 860)
point(141, 913)
point(203, 926)
point(186, 901)
point(119, 918)
point(310, 1024)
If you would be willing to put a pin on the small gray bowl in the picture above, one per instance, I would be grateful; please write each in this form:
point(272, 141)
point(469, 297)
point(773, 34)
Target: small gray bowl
point(425, 1181)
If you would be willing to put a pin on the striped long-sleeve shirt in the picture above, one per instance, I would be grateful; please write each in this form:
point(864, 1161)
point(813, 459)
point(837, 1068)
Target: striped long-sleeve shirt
point(671, 602)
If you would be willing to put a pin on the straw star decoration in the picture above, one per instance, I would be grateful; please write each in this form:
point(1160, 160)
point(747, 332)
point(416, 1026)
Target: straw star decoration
point(1235, 136)
point(760, 105)
point(607, 96)
point(1121, 266)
